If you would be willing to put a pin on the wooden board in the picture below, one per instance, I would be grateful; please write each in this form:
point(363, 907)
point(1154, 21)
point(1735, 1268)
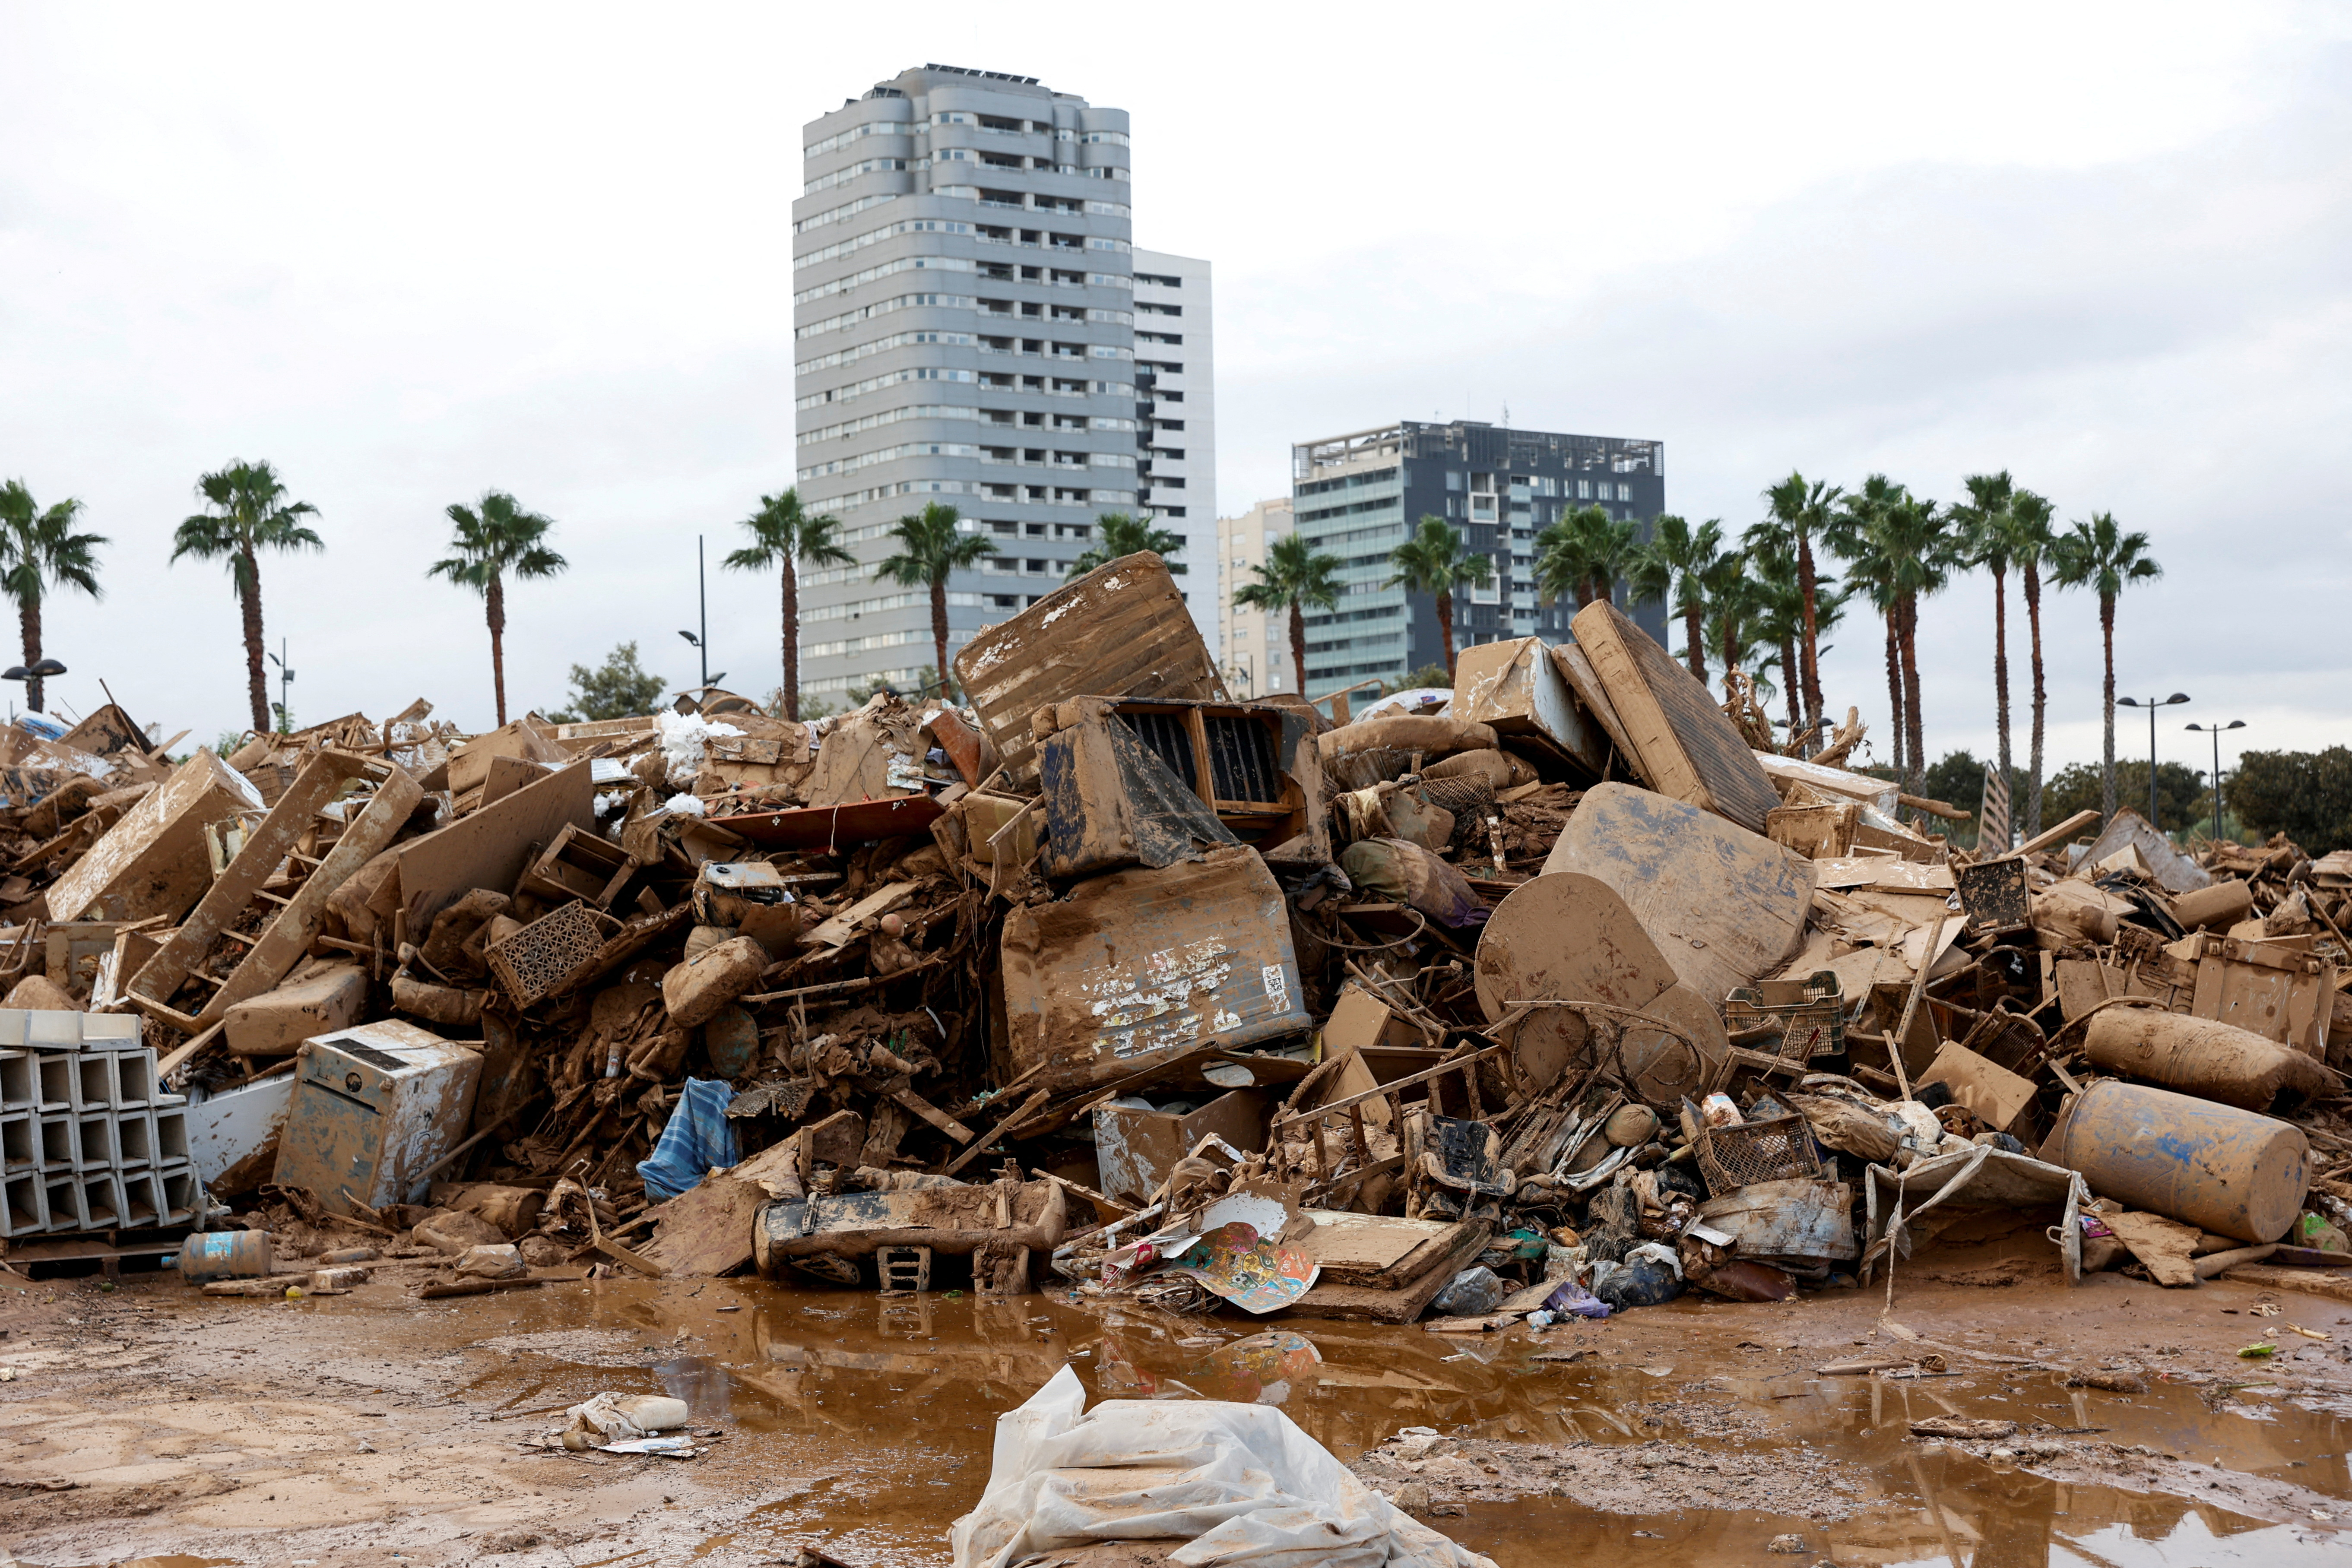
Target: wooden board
point(1121, 630)
point(1687, 747)
point(1365, 1303)
point(1723, 904)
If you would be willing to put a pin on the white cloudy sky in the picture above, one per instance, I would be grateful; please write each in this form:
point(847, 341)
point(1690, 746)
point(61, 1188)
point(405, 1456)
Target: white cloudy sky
point(408, 253)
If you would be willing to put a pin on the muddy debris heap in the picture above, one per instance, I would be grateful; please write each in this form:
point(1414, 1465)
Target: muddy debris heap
point(1557, 997)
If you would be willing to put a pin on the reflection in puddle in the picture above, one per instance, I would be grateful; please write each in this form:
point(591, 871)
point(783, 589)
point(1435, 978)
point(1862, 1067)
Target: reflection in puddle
point(895, 1401)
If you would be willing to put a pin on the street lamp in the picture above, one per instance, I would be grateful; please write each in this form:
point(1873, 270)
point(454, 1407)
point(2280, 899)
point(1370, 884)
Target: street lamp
point(2152, 704)
point(285, 680)
point(37, 673)
point(2215, 730)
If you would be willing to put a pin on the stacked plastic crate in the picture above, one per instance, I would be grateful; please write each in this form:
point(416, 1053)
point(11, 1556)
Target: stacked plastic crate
point(88, 1140)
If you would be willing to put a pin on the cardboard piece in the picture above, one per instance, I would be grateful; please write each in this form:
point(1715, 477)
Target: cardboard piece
point(1136, 1149)
point(1121, 630)
point(488, 849)
point(1688, 749)
point(1997, 1095)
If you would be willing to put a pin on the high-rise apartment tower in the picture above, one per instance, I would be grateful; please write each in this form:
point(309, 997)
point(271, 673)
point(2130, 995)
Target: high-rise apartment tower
point(1357, 497)
point(964, 311)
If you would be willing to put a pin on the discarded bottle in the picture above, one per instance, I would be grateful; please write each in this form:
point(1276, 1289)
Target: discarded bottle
point(1539, 1320)
point(226, 1255)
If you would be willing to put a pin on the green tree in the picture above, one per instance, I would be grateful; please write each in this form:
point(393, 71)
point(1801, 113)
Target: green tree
point(2179, 789)
point(1293, 577)
point(249, 513)
point(40, 549)
point(1434, 561)
point(1672, 568)
point(2027, 542)
point(1117, 534)
point(493, 541)
point(1802, 510)
point(2308, 795)
point(929, 548)
point(2099, 555)
point(1427, 676)
point(1583, 554)
point(1983, 534)
point(784, 536)
point(618, 689)
point(1777, 617)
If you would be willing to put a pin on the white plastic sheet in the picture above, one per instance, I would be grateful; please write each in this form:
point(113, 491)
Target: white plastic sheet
point(1240, 1484)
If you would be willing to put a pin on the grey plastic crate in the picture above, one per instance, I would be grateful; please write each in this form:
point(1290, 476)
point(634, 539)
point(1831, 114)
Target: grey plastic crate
point(64, 1197)
point(171, 1133)
point(142, 1200)
point(60, 1154)
point(57, 1080)
point(179, 1193)
point(19, 1082)
point(20, 1147)
point(134, 1079)
point(96, 1148)
point(93, 1081)
point(134, 1138)
point(101, 1200)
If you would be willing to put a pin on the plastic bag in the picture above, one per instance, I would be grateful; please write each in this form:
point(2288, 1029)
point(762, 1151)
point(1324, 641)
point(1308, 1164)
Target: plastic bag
point(1472, 1293)
point(1240, 1484)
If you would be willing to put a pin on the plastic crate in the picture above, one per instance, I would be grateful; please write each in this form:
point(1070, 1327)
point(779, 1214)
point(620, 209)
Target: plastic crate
point(1809, 1014)
point(547, 954)
point(1779, 1150)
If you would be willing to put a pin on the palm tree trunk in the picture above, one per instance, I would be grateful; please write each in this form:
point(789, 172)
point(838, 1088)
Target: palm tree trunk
point(940, 632)
point(28, 620)
point(1444, 632)
point(1808, 581)
point(2033, 626)
point(1916, 743)
point(1298, 646)
point(495, 609)
point(1694, 640)
point(256, 682)
point(792, 641)
point(2001, 663)
point(2108, 763)
point(1894, 689)
point(1789, 684)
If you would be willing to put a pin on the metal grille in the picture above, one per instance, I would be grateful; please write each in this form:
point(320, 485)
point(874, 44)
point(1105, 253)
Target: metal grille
point(1240, 760)
point(1165, 734)
point(541, 959)
point(370, 1055)
point(1779, 1149)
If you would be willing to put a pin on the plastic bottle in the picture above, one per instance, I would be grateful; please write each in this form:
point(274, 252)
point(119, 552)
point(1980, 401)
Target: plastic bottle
point(226, 1255)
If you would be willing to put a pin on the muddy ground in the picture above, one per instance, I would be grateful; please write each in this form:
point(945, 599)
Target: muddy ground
point(372, 1428)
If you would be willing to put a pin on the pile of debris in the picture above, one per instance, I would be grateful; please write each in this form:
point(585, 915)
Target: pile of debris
point(1553, 998)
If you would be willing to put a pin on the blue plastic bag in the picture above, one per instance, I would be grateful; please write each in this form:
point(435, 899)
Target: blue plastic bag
point(697, 1136)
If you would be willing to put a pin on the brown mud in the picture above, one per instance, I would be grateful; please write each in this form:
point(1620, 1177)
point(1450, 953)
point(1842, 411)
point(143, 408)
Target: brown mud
point(374, 1429)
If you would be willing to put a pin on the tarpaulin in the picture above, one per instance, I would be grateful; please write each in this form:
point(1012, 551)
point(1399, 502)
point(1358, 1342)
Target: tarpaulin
point(697, 1136)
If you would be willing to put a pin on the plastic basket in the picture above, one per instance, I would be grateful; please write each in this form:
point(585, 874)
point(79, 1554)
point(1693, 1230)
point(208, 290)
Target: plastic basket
point(1779, 1149)
point(1809, 1015)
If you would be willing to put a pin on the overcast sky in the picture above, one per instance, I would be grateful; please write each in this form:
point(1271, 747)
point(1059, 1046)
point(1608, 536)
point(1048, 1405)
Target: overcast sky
point(410, 252)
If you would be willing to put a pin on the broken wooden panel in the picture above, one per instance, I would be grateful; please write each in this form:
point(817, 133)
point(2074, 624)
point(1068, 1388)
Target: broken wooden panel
point(579, 864)
point(276, 1023)
point(1136, 967)
point(1724, 905)
point(152, 862)
point(265, 850)
point(486, 849)
point(1688, 749)
point(1840, 783)
point(1516, 688)
point(1121, 630)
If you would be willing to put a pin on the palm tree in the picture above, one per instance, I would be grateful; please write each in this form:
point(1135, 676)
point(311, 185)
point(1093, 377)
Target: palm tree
point(1118, 534)
point(2100, 556)
point(2028, 544)
point(493, 540)
point(929, 548)
point(783, 536)
point(1899, 549)
point(39, 548)
point(1293, 577)
point(249, 514)
point(1983, 527)
point(1778, 616)
point(1732, 603)
point(1802, 510)
point(1672, 568)
point(1583, 554)
point(1432, 560)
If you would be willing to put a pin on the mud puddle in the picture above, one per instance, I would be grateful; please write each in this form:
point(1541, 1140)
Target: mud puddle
point(865, 1423)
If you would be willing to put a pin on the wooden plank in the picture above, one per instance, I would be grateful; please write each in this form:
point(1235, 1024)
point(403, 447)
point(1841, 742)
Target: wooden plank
point(1690, 749)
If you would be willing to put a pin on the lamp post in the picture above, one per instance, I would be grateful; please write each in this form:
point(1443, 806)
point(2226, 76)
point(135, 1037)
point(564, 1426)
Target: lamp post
point(2152, 704)
point(33, 678)
point(285, 680)
point(2215, 730)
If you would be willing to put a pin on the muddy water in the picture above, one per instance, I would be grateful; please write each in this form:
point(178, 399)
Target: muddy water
point(868, 1422)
